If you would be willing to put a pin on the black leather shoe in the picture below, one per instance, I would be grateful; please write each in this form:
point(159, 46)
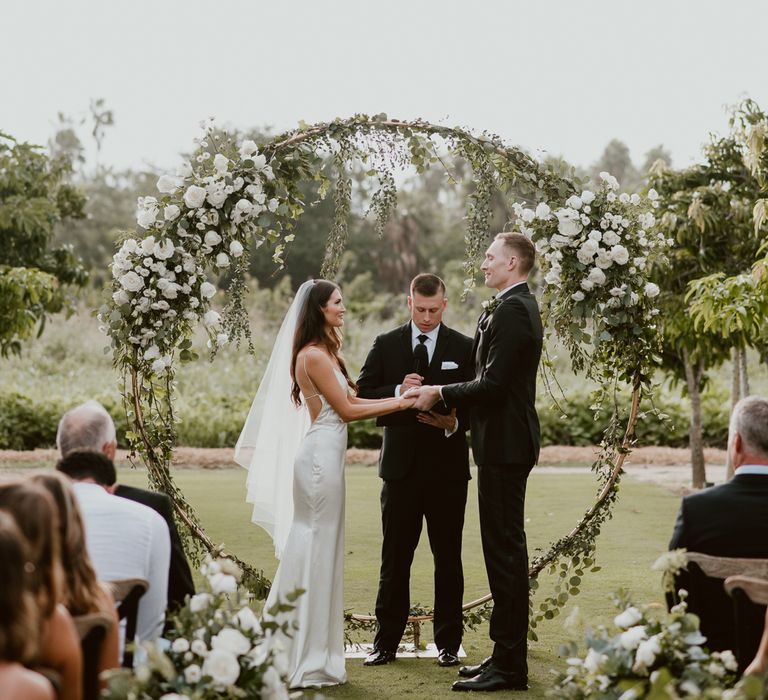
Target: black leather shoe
point(379, 657)
point(472, 671)
point(447, 658)
point(492, 679)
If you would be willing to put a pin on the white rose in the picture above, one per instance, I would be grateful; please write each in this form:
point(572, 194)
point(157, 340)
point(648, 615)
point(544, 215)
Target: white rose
point(273, 687)
point(611, 196)
point(619, 254)
point(216, 195)
point(259, 162)
point(593, 660)
point(146, 217)
point(651, 290)
point(617, 292)
point(147, 245)
point(553, 277)
point(235, 249)
point(624, 198)
point(244, 206)
point(163, 250)
point(222, 339)
point(207, 290)
point(180, 645)
point(595, 235)
point(248, 148)
point(653, 195)
point(272, 204)
point(639, 262)
point(192, 674)
point(171, 212)
point(222, 260)
point(603, 260)
point(629, 618)
point(596, 276)
point(569, 227)
point(199, 601)
point(159, 365)
point(121, 297)
point(211, 318)
point(198, 647)
point(222, 583)
point(173, 696)
point(171, 290)
point(574, 202)
point(577, 296)
point(528, 215)
point(231, 640)
point(222, 667)
point(152, 352)
point(587, 284)
point(167, 184)
point(543, 211)
point(611, 238)
point(212, 238)
point(194, 197)
point(635, 199)
point(587, 197)
point(220, 163)
point(632, 637)
point(131, 281)
point(647, 652)
point(248, 620)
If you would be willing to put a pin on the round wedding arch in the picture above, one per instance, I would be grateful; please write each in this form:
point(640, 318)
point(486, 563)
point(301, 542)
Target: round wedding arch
point(596, 249)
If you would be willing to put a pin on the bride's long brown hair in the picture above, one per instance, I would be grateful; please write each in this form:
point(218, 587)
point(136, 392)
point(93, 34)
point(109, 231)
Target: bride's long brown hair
point(311, 330)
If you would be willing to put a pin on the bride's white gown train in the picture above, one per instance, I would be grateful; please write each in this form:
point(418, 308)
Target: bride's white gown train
point(313, 558)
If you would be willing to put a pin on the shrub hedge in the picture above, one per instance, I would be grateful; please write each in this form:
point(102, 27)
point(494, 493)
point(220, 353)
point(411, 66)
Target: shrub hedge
point(215, 421)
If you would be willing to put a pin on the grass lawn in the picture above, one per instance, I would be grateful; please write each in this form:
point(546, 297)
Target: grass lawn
point(629, 544)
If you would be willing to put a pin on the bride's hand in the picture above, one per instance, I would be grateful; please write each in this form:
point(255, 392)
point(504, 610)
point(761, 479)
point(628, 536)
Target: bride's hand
point(409, 397)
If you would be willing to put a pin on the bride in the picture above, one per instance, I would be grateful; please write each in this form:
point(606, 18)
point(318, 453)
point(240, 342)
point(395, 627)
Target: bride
point(294, 452)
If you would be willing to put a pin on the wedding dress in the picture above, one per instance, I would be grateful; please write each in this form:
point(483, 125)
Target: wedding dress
point(313, 557)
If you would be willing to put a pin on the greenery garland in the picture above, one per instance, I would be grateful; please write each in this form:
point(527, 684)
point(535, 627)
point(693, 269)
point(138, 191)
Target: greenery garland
point(233, 197)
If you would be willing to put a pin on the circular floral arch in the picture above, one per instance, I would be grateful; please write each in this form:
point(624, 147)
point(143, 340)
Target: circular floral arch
point(595, 251)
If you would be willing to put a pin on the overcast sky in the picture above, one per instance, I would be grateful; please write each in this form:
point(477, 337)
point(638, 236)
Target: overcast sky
point(561, 76)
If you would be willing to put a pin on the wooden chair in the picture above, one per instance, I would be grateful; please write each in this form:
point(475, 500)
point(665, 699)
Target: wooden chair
point(127, 593)
point(92, 629)
point(734, 623)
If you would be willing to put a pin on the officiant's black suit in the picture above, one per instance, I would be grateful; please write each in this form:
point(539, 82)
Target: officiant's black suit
point(504, 428)
point(425, 476)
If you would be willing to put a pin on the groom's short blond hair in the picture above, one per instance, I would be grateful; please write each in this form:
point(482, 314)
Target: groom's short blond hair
point(521, 246)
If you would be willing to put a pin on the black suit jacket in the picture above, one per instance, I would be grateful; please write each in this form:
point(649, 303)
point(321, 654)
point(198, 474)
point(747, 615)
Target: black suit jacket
point(406, 441)
point(502, 397)
point(730, 520)
point(179, 575)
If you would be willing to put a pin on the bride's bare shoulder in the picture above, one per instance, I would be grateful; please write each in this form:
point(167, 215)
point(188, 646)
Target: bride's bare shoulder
point(312, 353)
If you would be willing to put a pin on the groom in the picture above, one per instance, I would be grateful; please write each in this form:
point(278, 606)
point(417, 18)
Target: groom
point(424, 464)
point(505, 445)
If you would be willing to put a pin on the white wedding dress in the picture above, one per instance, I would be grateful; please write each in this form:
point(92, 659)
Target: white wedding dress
point(313, 557)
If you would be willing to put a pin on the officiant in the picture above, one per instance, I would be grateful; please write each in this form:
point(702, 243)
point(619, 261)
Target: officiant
point(424, 465)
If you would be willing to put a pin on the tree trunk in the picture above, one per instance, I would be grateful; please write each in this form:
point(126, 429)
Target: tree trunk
point(743, 374)
point(695, 438)
point(736, 383)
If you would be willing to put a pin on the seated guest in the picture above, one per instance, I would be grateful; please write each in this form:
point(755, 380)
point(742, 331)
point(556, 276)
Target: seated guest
point(730, 520)
point(90, 427)
point(125, 539)
point(19, 628)
point(83, 593)
point(34, 511)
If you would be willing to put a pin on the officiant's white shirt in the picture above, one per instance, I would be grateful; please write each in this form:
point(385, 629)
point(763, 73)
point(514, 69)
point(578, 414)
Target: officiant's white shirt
point(126, 539)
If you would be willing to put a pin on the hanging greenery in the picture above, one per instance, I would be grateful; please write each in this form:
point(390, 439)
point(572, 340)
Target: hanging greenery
point(596, 250)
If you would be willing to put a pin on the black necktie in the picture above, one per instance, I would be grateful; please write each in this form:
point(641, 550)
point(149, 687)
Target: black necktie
point(422, 338)
point(420, 355)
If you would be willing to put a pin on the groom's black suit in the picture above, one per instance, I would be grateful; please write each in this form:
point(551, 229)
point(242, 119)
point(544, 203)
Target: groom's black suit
point(425, 477)
point(505, 446)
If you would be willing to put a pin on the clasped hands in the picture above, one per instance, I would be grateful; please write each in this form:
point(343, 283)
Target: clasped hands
point(425, 397)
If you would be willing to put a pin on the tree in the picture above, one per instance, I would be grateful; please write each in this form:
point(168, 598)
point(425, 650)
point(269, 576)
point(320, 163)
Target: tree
point(34, 197)
point(617, 161)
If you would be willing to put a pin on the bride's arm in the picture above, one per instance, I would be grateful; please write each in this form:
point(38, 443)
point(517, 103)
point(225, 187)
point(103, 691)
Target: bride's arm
point(349, 408)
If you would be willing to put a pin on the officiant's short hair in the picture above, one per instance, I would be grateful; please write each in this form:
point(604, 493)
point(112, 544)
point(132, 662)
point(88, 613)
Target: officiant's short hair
point(427, 284)
point(522, 246)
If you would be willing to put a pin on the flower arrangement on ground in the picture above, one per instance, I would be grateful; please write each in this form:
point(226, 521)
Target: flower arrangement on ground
point(217, 649)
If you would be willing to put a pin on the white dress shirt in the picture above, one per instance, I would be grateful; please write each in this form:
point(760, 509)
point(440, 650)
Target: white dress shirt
point(761, 469)
point(126, 539)
point(430, 344)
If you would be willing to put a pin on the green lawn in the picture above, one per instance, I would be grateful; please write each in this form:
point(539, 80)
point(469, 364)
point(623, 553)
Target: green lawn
point(629, 544)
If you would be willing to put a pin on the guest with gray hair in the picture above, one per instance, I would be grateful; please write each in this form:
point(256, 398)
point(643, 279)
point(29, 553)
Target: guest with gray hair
point(730, 520)
point(89, 427)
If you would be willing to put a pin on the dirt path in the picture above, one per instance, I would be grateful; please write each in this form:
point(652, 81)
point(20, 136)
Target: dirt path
point(666, 466)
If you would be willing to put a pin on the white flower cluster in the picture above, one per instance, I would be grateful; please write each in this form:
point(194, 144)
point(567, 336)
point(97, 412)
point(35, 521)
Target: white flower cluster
point(205, 213)
point(221, 646)
point(642, 648)
point(157, 282)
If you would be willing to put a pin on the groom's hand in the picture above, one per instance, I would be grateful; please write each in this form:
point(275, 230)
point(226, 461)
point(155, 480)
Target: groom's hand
point(428, 397)
point(410, 381)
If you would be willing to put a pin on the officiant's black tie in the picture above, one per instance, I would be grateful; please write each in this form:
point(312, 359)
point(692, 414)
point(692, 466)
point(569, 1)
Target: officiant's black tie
point(421, 356)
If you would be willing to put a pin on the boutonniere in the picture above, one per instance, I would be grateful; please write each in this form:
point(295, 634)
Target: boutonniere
point(489, 305)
